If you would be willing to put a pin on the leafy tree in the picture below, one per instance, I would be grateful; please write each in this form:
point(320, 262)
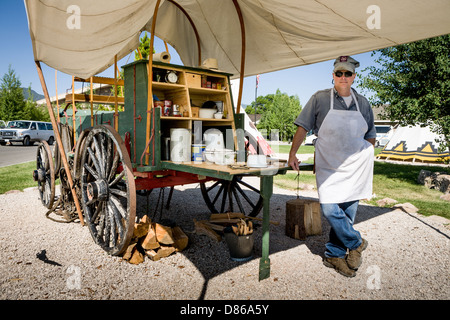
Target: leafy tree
point(32, 111)
point(12, 101)
point(144, 48)
point(261, 103)
point(280, 112)
point(413, 82)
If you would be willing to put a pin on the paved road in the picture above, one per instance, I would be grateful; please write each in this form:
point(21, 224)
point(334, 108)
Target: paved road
point(15, 154)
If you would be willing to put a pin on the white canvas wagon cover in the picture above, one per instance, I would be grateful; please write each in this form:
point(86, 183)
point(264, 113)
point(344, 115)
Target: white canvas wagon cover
point(81, 37)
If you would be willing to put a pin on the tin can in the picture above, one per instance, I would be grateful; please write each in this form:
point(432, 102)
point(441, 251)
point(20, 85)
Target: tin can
point(167, 107)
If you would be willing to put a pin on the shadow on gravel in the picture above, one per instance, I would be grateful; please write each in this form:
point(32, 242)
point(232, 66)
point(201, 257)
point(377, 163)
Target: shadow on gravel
point(210, 257)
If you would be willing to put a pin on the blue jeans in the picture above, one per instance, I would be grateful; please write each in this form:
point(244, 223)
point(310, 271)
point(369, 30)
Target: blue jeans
point(342, 234)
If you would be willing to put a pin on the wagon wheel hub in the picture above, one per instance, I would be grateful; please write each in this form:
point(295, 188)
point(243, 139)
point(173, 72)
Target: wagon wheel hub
point(98, 190)
point(39, 175)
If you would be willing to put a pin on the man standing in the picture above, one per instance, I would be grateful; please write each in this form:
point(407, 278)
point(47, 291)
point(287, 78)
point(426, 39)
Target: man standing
point(344, 124)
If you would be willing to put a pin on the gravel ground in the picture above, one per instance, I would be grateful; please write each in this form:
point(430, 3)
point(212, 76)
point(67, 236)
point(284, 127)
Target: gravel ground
point(407, 258)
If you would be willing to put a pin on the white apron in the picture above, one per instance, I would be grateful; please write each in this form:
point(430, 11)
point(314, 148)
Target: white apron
point(343, 158)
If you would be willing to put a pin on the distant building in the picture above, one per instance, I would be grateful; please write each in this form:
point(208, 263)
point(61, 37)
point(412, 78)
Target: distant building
point(377, 112)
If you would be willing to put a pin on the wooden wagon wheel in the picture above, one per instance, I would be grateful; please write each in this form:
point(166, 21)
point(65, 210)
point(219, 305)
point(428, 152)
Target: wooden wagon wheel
point(108, 190)
point(45, 174)
point(228, 196)
point(66, 134)
point(78, 155)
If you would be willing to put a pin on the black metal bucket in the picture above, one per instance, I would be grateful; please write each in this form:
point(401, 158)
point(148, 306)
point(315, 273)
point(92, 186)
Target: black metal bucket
point(240, 247)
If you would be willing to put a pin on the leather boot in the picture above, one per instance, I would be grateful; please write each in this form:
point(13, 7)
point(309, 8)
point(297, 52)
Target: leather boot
point(340, 265)
point(354, 258)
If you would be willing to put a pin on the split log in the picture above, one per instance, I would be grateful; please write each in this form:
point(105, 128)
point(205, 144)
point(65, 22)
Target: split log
point(141, 228)
point(129, 252)
point(230, 215)
point(133, 255)
point(152, 255)
point(137, 257)
point(180, 238)
point(149, 241)
point(163, 234)
point(203, 229)
point(155, 241)
point(165, 251)
point(226, 220)
point(213, 226)
point(162, 252)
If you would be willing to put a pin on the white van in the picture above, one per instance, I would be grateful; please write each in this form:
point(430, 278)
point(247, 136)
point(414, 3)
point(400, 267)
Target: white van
point(310, 138)
point(27, 132)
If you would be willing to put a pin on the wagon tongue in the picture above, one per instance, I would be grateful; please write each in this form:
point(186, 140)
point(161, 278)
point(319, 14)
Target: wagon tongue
point(98, 190)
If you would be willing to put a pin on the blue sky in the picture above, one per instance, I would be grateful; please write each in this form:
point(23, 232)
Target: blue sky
point(16, 51)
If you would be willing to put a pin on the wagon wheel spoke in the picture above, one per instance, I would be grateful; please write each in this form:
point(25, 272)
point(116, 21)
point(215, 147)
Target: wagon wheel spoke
point(45, 174)
point(250, 202)
point(238, 200)
point(108, 190)
point(224, 195)
point(218, 193)
point(232, 197)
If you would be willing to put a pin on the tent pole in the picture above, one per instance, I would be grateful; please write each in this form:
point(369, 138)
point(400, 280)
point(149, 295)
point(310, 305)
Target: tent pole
point(241, 73)
point(92, 102)
point(59, 141)
point(197, 36)
point(74, 110)
point(165, 45)
point(149, 80)
point(116, 106)
point(56, 93)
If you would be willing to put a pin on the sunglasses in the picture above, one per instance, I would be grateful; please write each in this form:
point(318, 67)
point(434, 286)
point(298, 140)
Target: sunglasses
point(347, 74)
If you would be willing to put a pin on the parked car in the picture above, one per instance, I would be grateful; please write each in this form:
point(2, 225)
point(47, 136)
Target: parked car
point(384, 134)
point(27, 132)
point(2, 124)
point(310, 138)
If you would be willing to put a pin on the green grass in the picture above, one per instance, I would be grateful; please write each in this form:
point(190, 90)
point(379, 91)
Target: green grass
point(17, 177)
point(396, 181)
point(284, 148)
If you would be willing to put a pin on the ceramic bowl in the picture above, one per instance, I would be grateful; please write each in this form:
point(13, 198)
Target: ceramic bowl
point(257, 161)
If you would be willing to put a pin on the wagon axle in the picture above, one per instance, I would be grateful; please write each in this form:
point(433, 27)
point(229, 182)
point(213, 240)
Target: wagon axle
point(39, 175)
point(98, 190)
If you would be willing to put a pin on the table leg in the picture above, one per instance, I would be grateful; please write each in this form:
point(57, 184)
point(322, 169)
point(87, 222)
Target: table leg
point(266, 193)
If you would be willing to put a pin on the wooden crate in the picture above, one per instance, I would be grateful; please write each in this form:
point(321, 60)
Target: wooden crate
point(193, 80)
point(195, 111)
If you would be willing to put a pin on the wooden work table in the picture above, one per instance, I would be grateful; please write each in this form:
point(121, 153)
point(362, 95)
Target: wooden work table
point(266, 188)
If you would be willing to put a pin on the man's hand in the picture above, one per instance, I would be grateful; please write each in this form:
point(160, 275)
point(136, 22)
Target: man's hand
point(293, 162)
point(299, 136)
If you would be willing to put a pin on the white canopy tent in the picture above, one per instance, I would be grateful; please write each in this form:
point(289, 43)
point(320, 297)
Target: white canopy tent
point(411, 143)
point(82, 37)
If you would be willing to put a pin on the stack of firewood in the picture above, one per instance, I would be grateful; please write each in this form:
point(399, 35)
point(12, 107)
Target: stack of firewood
point(155, 241)
point(215, 226)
